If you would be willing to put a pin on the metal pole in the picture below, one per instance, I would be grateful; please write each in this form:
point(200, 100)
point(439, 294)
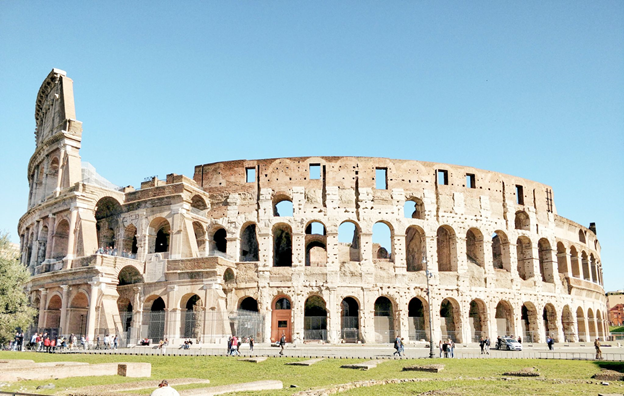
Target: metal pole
point(428, 274)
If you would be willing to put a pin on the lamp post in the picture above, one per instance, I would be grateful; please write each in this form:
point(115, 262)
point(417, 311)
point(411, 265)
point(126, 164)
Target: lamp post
point(429, 275)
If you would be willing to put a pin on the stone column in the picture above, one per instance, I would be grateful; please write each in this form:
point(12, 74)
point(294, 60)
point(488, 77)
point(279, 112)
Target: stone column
point(50, 244)
point(333, 316)
point(177, 233)
point(298, 249)
point(333, 262)
point(398, 253)
point(71, 238)
point(367, 316)
point(92, 305)
point(233, 246)
point(63, 322)
point(62, 165)
point(42, 306)
point(172, 317)
point(137, 315)
point(403, 316)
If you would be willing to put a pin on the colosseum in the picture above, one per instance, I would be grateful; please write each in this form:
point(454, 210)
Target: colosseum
point(326, 249)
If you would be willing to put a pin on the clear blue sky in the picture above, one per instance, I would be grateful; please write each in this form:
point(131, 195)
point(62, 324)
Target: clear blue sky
point(532, 88)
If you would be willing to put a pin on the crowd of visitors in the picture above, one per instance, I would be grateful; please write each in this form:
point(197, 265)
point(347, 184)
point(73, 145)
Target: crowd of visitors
point(447, 348)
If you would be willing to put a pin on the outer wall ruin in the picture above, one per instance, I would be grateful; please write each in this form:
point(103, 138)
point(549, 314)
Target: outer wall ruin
point(285, 246)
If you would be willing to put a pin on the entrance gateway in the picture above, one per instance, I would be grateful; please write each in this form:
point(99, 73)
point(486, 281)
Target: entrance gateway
point(281, 320)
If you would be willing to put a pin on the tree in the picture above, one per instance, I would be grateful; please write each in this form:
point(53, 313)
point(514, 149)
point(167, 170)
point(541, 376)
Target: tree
point(15, 311)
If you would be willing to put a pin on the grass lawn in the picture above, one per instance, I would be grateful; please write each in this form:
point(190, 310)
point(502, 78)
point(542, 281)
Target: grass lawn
point(460, 377)
point(616, 329)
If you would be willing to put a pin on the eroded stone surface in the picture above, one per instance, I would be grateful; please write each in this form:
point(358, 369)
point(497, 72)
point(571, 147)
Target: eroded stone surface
point(304, 362)
point(431, 368)
point(364, 365)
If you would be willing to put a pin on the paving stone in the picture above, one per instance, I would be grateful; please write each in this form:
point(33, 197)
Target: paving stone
point(304, 362)
point(431, 368)
point(364, 365)
point(256, 359)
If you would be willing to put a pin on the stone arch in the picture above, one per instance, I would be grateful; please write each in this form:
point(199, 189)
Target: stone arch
point(414, 208)
point(200, 236)
point(474, 247)
point(581, 235)
point(159, 234)
point(107, 211)
point(418, 324)
point(282, 245)
point(61, 239)
point(315, 319)
point(53, 313)
point(450, 320)
point(562, 259)
point(229, 277)
point(592, 265)
point(591, 324)
point(281, 318)
point(478, 320)
point(384, 320)
point(130, 243)
point(529, 322)
point(129, 275)
point(218, 241)
point(580, 323)
point(155, 320)
point(522, 221)
point(350, 319)
point(383, 241)
point(585, 266)
point(192, 309)
point(414, 248)
point(77, 313)
point(315, 244)
point(524, 253)
point(198, 203)
point(126, 314)
point(549, 316)
point(500, 251)
point(249, 250)
point(545, 260)
point(567, 324)
point(446, 249)
point(249, 321)
point(349, 241)
point(282, 206)
point(248, 303)
point(574, 263)
point(504, 319)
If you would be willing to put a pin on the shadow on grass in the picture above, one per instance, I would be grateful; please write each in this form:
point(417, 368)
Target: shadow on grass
point(614, 366)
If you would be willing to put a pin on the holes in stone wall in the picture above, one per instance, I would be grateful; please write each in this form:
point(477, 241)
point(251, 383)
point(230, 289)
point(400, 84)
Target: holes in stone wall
point(471, 180)
point(519, 194)
point(442, 177)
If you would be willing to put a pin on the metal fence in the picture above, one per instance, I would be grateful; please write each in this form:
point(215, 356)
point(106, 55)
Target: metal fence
point(349, 331)
point(315, 328)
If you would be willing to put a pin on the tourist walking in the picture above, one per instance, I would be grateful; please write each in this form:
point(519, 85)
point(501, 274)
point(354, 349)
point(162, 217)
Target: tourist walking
point(482, 345)
point(251, 344)
point(598, 350)
point(397, 346)
point(282, 344)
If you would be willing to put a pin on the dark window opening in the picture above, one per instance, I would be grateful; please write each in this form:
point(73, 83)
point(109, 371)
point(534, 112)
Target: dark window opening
point(381, 178)
point(282, 324)
point(470, 181)
point(315, 171)
point(250, 175)
point(442, 177)
point(519, 195)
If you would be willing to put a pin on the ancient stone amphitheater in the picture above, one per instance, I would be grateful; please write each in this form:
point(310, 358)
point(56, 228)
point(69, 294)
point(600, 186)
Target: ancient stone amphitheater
point(339, 249)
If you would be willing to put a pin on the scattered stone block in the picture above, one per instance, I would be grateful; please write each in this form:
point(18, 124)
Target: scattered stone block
point(609, 375)
point(46, 386)
point(243, 387)
point(256, 359)
point(16, 363)
point(134, 369)
point(431, 368)
point(363, 366)
point(525, 372)
point(304, 362)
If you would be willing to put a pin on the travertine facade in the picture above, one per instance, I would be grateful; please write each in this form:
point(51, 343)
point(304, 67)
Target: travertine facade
point(265, 247)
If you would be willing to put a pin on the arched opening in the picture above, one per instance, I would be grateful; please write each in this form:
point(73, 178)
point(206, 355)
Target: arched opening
point(43, 242)
point(382, 242)
point(249, 244)
point(219, 242)
point(545, 260)
point(478, 320)
point(591, 324)
point(249, 321)
point(107, 211)
point(228, 277)
point(500, 251)
point(582, 236)
point(200, 236)
point(580, 323)
point(418, 323)
point(192, 316)
point(282, 245)
point(594, 274)
point(446, 249)
point(349, 320)
point(524, 253)
point(155, 320)
point(522, 221)
point(414, 253)
point(529, 322)
point(384, 320)
point(77, 315)
point(283, 208)
point(53, 315)
point(130, 244)
point(281, 319)
point(474, 247)
point(450, 320)
point(315, 319)
point(585, 264)
point(574, 263)
point(61, 237)
point(349, 242)
point(159, 233)
point(504, 319)
point(567, 323)
point(414, 209)
point(562, 259)
point(129, 275)
point(316, 245)
point(550, 322)
point(198, 205)
point(125, 316)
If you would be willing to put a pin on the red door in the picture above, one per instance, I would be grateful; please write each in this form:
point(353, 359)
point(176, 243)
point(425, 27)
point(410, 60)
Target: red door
point(281, 320)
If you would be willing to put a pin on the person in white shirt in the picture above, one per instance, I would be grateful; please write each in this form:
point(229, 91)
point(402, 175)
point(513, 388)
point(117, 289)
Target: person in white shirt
point(165, 390)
